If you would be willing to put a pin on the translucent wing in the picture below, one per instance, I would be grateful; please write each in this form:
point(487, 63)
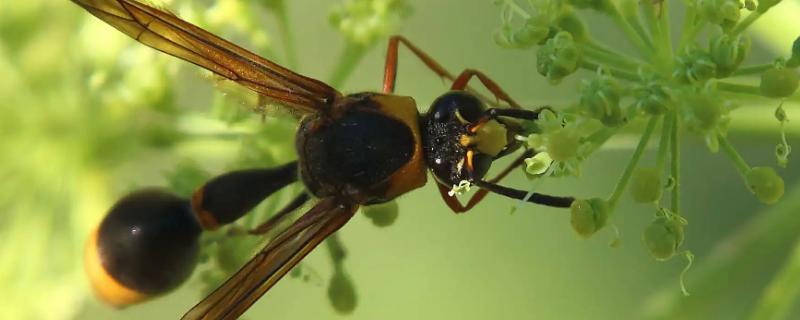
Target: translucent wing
point(166, 32)
point(237, 294)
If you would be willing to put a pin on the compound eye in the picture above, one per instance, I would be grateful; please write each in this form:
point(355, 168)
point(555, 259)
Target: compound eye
point(460, 105)
point(470, 108)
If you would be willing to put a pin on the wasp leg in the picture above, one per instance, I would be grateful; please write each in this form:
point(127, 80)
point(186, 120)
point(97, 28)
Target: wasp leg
point(390, 68)
point(460, 83)
point(535, 197)
point(457, 207)
point(279, 216)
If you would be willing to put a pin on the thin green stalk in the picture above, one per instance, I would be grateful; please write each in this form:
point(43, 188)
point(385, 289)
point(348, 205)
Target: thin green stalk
point(637, 155)
point(731, 152)
point(675, 169)
point(649, 8)
point(752, 17)
point(781, 293)
point(663, 21)
point(640, 43)
point(348, 60)
point(739, 88)
point(597, 52)
point(690, 27)
point(600, 137)
point(615, 72)
point(663, 143)
point(755, 69)
point(336, 250)
point(514, 6)
point(288, 39)
point(630, 15)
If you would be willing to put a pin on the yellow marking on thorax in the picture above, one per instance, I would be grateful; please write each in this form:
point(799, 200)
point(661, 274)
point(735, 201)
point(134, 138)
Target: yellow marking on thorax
point(411, 175)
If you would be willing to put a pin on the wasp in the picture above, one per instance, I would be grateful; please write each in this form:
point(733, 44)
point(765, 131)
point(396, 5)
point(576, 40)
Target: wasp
point(352, 150)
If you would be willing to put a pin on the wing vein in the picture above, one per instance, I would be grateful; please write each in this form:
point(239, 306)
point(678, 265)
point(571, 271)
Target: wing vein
point(167, 33)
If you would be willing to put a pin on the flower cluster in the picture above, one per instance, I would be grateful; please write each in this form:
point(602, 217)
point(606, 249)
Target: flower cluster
point(691, 86)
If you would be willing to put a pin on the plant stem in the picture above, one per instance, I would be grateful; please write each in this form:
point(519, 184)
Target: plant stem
point(599, 138)
point(663, 144)
point(514, 6)
point(601, 54)
point(661, 45)
point(731, 152)
point(637, 155)
point(690, 27)
point(629, 12)
point(641, 43)
point(336, 250)
point(663, 20)
point(675, 170)
point(752, 17)
point(288, 39)
point(615, 72)
point(348, 60)
point(739, 88)
point(755, 69)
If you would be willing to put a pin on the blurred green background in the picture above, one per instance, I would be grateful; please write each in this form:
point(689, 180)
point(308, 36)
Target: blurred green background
point(87, 114)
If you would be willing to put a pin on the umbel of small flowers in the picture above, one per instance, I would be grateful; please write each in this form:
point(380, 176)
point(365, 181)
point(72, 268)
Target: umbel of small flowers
point(675, 87)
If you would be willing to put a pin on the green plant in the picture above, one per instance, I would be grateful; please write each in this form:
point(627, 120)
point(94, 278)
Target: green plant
point(692, 86)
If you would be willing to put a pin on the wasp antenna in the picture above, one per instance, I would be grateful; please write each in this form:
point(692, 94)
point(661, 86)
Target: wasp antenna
point(538, 198)
point(228, 197)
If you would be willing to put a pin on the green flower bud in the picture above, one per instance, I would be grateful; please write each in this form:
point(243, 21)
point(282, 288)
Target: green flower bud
point(532, 32)
point(764, 5)
point(663, 237)
point(570, 22)
point(652, 97)
point(503, 37)
point(701, 112)
point(728, 53)
point(538, 164)
point(558, 57)
point(365, 21)
point(600, 100)
point(750, 5)
point(765, 184)
point(588, 216)
point(342, 293)
point(779, 82)
point(383, 214)
point(694, 66)
point(646, 185)
point(562, 144)
point(722, 12)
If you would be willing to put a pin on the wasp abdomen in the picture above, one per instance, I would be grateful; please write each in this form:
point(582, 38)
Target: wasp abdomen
point(146, 245)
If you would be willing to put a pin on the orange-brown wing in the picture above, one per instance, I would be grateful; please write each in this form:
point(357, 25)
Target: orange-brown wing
point(167, 33)
point(238, 293)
